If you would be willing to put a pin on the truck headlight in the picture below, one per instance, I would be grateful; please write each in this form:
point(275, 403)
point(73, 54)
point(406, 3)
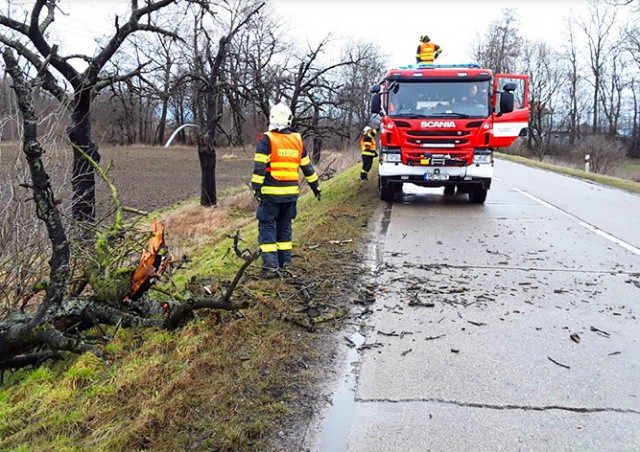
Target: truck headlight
point(387, 157)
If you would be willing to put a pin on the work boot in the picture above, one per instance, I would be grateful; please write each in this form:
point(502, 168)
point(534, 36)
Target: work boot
point(270, 273)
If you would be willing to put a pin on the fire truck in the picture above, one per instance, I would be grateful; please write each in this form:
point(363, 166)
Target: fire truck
point(441, 123)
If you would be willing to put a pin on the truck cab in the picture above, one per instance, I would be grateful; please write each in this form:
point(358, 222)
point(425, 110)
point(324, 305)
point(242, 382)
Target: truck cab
point(441, 123)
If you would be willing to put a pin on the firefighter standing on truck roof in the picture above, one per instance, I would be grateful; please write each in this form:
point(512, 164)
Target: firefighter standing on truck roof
point(278, 156)
point(368, 146)
point(427, 51)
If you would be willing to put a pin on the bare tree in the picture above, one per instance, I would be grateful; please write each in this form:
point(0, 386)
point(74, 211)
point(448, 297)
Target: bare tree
point(631, 43)
point(546, 77)
point(238, 14)
point(500, 47)
point(357, 79)
point(598, 28)
point(611, 92)
point(573, 73)
point(34, 44)
point(634, 148)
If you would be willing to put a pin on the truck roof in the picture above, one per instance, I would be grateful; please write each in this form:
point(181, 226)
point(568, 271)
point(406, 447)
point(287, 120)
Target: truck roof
point(471, 70)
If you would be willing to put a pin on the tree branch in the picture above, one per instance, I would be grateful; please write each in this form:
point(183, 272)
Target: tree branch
point(48, 81)
point(121, 34)
point(42, 193)
point(106, 82)
point(37, 38)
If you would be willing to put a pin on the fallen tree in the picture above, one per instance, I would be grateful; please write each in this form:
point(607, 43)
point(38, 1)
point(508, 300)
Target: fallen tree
point(28, 338)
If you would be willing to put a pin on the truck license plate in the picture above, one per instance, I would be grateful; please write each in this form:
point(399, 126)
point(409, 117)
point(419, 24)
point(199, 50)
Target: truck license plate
point(428, 176)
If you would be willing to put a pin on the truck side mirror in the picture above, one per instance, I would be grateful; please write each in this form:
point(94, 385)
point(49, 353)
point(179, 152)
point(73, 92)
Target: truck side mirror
point(375, 89)
point(506, 102)
point(375, 103)
point(509, 87)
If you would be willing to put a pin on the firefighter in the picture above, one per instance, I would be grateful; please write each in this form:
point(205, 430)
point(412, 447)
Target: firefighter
point(472, 95)
point(427, 51)
point(278, 156)
point(368, 146)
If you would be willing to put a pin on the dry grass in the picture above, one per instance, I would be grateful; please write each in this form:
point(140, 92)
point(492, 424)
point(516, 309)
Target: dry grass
point(193, 222)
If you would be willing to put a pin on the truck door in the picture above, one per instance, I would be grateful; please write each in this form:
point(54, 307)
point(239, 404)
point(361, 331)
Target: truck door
point(509, 126)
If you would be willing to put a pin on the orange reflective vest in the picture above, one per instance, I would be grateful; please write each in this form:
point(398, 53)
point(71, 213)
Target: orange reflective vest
point(368, 147)
point(427, 52)
point(286, 153)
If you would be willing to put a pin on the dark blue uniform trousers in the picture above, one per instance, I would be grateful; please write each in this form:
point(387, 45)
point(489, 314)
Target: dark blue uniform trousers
point(274, 232)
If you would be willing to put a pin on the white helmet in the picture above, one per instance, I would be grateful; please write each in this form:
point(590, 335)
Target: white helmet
point(366, 129)
point(280, 117)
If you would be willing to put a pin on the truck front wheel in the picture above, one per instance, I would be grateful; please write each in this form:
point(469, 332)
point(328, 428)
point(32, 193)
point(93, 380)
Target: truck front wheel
point(387, 190)
point(478, 194)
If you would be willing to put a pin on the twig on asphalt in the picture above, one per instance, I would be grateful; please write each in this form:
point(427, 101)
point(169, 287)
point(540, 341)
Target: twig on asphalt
point(600, 332)
point(372, 345)
point(393, 333)
point(557, 363)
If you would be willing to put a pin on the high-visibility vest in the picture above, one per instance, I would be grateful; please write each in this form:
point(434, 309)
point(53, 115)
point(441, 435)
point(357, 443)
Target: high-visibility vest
point(427, 52)
point(368, 148)
point(286, 153)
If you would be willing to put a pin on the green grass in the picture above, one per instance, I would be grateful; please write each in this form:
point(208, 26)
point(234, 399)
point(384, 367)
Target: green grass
point(223, 381)
point(632, 167)
point(611, 181)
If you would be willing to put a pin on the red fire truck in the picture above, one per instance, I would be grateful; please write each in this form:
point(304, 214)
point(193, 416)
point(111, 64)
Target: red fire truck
point(441, 123)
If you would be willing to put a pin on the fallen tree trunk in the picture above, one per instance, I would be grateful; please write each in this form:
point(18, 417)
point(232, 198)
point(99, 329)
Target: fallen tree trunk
point(59, 330)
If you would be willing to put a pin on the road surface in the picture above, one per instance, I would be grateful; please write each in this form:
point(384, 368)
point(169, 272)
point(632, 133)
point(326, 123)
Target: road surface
point(506, 326)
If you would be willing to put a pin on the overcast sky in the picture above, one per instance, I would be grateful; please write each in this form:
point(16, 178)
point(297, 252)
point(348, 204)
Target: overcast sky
point(395, 25)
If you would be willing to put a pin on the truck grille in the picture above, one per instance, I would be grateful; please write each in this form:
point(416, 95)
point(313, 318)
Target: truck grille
point(435, 143)
point(437, 133)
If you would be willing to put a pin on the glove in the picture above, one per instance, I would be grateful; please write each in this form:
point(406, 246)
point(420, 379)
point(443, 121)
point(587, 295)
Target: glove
point(257, 195)
point(316, 192)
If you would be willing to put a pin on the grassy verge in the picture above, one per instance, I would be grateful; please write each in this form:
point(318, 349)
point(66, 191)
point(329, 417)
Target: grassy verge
point(599, 178)
point(224, 380)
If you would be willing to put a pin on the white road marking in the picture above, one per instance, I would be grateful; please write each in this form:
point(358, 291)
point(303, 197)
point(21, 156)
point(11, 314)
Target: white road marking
point(538, 200)
point(590, 227)
point(615, 240)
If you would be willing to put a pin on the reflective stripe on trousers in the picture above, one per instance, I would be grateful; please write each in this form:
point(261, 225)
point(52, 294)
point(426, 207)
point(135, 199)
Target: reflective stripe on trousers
point(274, 232)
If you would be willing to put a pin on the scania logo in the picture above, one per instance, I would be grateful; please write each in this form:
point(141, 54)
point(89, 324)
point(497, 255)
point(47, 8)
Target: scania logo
point(425, 124)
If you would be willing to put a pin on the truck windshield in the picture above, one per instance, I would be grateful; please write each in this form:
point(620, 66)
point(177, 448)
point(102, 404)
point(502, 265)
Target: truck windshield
point(425, 99)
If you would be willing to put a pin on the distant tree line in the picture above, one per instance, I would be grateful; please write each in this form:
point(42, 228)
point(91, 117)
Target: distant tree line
point(588, 87)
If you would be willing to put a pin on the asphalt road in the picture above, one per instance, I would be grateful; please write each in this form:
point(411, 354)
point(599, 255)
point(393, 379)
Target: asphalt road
point(506, 326)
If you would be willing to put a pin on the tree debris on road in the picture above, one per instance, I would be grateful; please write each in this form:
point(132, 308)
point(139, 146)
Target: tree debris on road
point(600, 332)
point(557, 363)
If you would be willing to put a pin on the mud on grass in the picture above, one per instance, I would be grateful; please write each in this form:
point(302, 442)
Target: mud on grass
point(225, 381)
